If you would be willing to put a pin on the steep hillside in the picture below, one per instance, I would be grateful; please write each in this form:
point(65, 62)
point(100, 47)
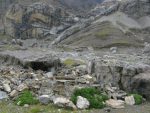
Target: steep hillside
point(104, 24)
point(118, 28)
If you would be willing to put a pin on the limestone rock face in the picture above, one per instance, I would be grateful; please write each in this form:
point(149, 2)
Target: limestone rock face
point(136, 8)
point(36, 20)
point(82, 103)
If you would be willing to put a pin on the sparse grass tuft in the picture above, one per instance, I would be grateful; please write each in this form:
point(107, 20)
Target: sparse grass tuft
point(72, 62)
point(26, 97)
point(123, 42)
point(103, 34)
point(35, 110)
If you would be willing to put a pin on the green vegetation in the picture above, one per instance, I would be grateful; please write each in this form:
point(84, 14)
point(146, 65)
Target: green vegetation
point(94, 96)
point(138, 99)
point(72, 62)
point(26, 97)
point(123, 42)
point(35, 110)
point(103, 34)
point(9, 107)
point(106, 29)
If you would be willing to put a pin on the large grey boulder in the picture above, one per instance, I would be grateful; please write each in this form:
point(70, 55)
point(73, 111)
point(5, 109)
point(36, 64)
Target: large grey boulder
point(141, 83)
point(44, 99)
point(82, 103)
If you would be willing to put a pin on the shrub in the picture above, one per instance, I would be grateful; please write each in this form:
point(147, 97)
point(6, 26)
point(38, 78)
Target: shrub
point(93, 95)
point(138, 99)
point(26, 97)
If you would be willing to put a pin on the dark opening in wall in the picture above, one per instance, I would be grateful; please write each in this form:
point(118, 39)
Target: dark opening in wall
point(40, 66)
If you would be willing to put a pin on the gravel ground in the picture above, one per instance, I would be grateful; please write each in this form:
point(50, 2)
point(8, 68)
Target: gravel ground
point(9, 107)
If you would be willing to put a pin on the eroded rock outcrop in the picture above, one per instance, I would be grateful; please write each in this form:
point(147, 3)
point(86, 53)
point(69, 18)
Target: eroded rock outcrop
point(31, 59)
point(141, 83)
point(36, 20)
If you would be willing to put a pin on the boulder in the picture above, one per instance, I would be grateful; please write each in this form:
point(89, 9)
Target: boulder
point(115, 103)
point(7, 88)
point(113, 49)
point(3, 95)
point(64, 102)
point(49, 75)
point(22, 87)
point(140, 84)
point(44, 99)
point(14, 93)
point(82, 103)
point(129, 100)
point(87, 77)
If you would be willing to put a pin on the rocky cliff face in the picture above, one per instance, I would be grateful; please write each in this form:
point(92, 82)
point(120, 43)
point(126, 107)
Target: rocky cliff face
point(36, 20)
point(41, 19)
point(106, 42)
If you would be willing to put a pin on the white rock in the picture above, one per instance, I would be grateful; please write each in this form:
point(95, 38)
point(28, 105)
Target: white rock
point(129, 100)
point(22, 87)
point(82, 103)
point(76, 19)
point(7, 88)
point(87, 77)
point(14, 93)
point(115, 103)
point(26, 105)
point(49, 75)
point(113, 49)
point(64, 102)
point(3, 95)
point(61, 100)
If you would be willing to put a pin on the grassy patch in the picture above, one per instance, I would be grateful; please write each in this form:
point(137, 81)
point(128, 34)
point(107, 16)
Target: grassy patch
point(94, 96)
point(35, 110)
point(26, 97)
point(9, 107)
point(103, 34)
point(72, 62)
point(123, 42)
point(106, 31)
